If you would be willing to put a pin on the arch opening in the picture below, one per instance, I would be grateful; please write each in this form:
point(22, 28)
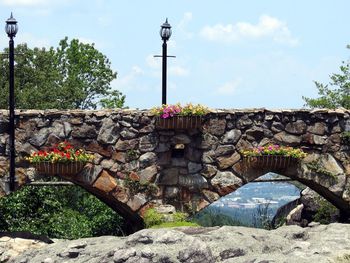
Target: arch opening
point(268, 202)
point(253, 204)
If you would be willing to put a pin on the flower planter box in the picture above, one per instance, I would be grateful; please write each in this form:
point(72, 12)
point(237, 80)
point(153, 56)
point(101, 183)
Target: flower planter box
point(269, 161)
point(62, 169)
point(179, 122)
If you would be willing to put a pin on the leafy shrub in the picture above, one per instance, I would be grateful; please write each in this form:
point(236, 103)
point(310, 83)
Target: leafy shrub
point(152, 218)
point(325, 213)
point(58, 212)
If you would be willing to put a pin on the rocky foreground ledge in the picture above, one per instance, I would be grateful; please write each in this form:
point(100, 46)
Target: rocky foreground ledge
point(317, 243)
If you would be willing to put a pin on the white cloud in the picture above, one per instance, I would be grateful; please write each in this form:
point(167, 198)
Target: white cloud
point(153, 62)
point(182, 25)
point(178, 71)
point(229, 88)
point(129, 80)
point(32, 41)
point(171, 43)
point(268, 27)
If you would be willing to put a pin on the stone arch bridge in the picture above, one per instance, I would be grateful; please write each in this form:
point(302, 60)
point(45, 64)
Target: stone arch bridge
point(138, 166)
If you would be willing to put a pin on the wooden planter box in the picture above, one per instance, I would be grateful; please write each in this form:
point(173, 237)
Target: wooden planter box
point(269, 161)
point(179, 122)
point(62, 169)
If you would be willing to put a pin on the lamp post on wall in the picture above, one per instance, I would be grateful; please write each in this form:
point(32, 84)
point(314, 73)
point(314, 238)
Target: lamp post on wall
point(165, 33)
point(11, 29)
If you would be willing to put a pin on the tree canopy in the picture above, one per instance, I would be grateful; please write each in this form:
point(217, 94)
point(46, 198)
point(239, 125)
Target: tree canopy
point(72, 76)
point(58, 212)
point(335, 94)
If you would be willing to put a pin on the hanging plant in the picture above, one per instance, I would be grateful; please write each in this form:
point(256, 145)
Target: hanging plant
point(62, 159)
point(272, 156)
point(179, 117)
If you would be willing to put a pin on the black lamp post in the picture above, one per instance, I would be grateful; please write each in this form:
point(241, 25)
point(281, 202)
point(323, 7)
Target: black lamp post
point(11, 29)
point(165, 33)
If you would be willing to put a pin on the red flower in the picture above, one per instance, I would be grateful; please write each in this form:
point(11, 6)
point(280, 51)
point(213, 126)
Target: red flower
point(55, 150)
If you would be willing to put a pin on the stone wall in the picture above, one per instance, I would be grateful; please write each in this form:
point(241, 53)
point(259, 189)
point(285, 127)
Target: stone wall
point(137, 166)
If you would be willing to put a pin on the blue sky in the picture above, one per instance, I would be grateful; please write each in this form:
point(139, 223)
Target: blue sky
point(229, 54)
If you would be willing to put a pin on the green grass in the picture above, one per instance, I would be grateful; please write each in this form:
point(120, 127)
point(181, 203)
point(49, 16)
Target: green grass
point(175, 224)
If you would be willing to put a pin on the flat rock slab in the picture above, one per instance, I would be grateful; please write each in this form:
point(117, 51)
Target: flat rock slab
point(319, 243)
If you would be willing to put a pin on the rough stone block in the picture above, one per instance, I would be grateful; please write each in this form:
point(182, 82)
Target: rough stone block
point(109, 132)
point(226, 182)
point(84, 131)
point(148, 174)
point(126, 144)
point(194, 167)
point(288, 139)
point(89, 174)
point(298, 127)
point(217, 126)
point(136, 201)
point(226, 162)
point(208, 170)
point(147, 159)
point(169, 176)
point(121, 194)
point(148, 143)
point(105, 182)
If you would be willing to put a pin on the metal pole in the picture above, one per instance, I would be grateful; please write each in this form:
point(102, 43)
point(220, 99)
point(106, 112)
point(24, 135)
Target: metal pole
point(12, 116)
point(164, 72)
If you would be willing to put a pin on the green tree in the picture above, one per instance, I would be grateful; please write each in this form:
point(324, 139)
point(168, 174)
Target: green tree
point(336, 93)
point(115, 99)
point(72, 76)
point(58, 212)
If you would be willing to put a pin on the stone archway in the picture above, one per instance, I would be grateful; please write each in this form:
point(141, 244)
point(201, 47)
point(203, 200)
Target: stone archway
point(129, 150)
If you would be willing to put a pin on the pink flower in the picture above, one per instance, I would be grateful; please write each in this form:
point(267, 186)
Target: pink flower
point(165, 115)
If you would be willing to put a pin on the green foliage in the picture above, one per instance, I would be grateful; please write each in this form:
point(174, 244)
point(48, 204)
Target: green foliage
point(114, 99)
point(179, 217)
point(336, 94)
point(325, 213)
point(58, 212)
point(72, 76)
point(152, 218)
point(136, 186)
point(212, 217)
point(175, 224)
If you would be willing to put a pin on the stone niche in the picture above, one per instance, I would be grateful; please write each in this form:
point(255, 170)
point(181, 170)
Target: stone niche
point(180, 161)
